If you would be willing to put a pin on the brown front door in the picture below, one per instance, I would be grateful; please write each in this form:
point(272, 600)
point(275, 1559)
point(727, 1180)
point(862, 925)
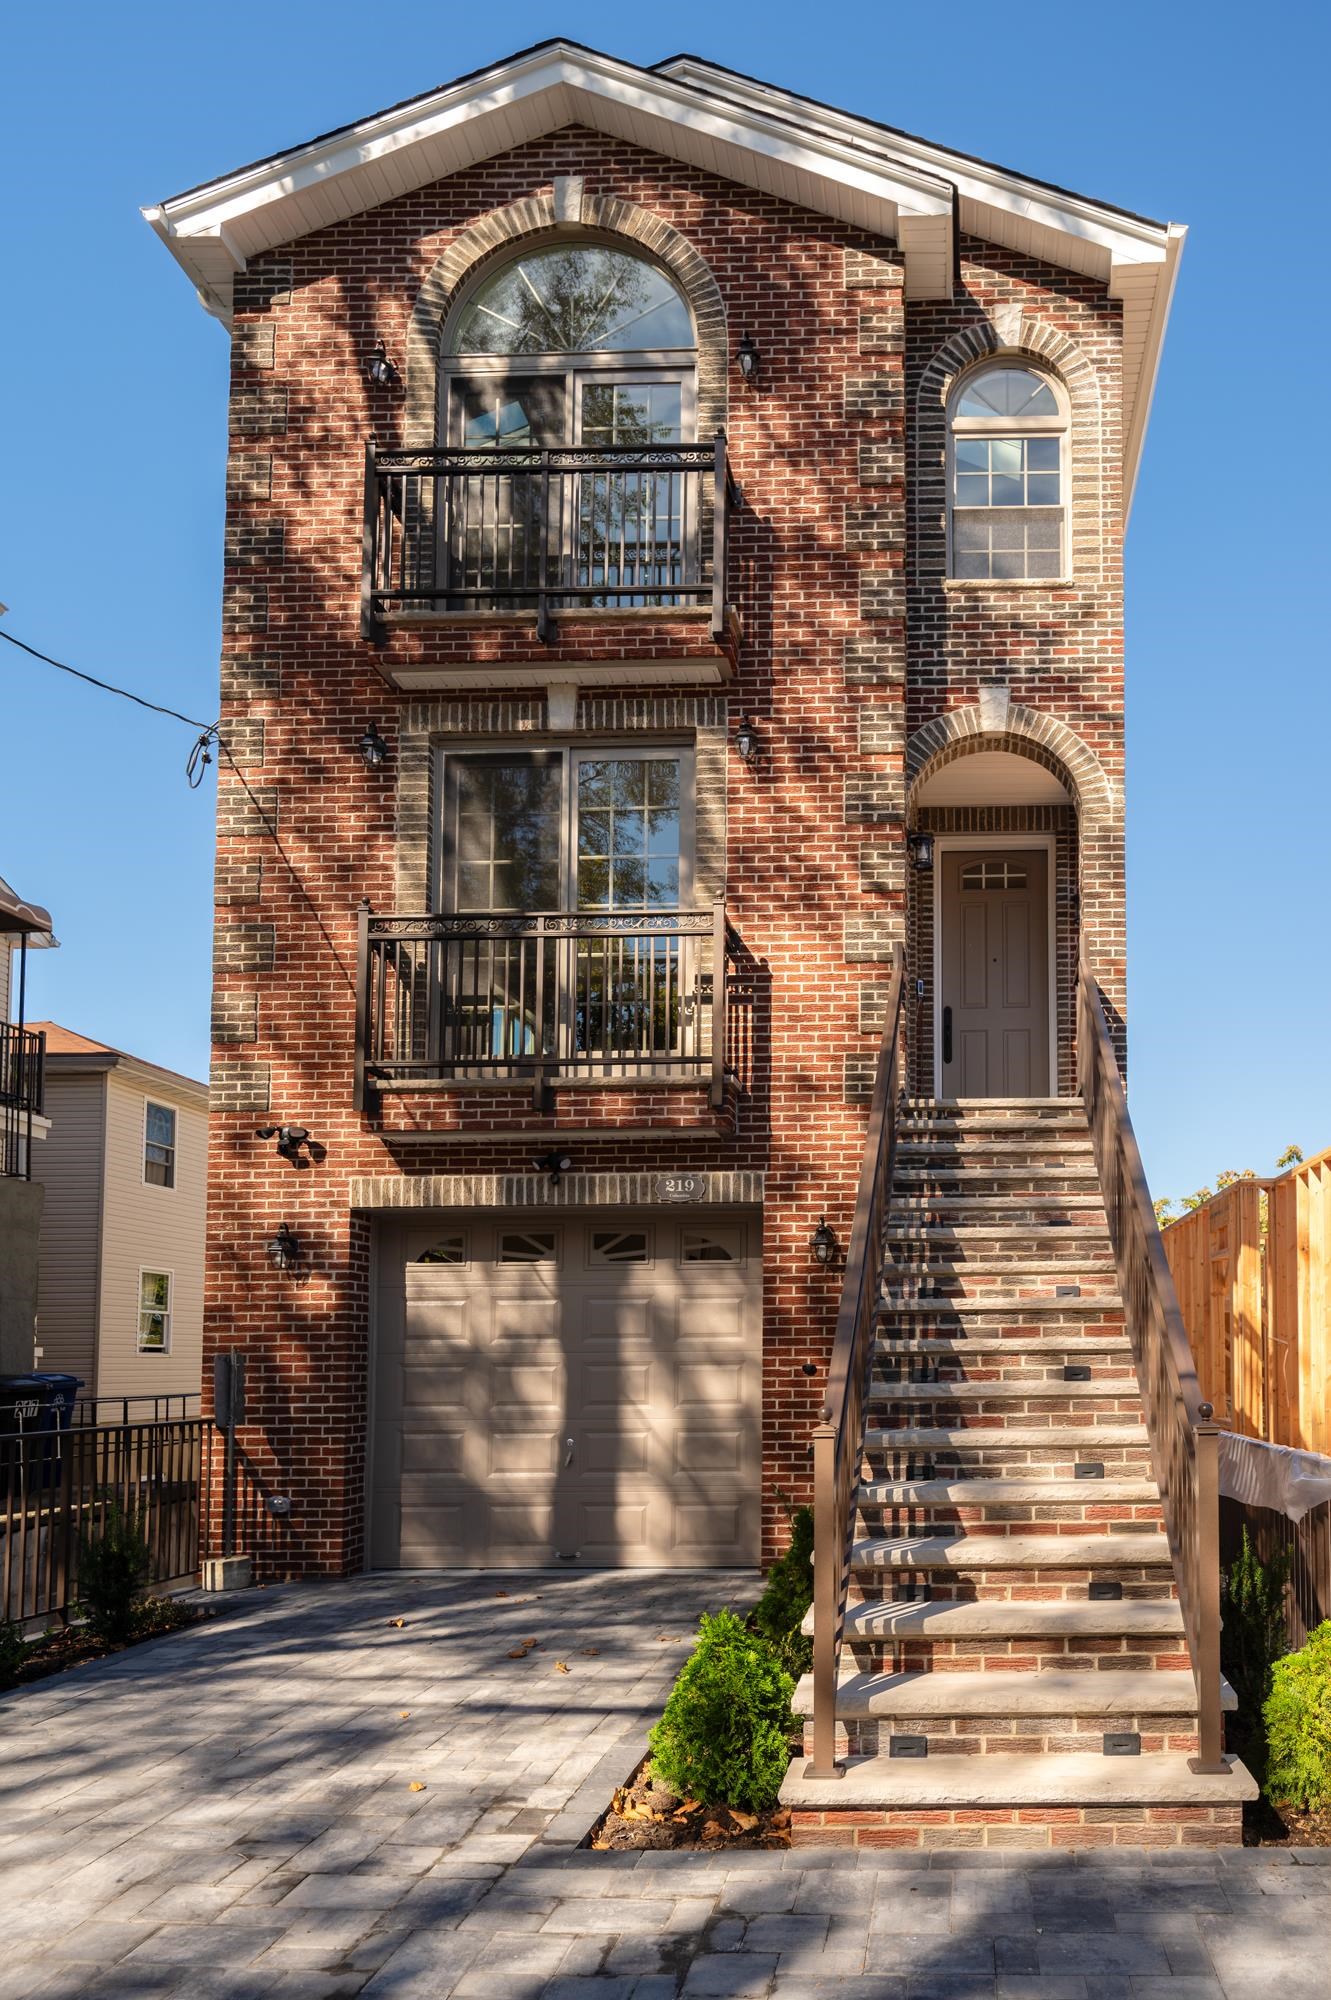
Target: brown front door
point(994, 975)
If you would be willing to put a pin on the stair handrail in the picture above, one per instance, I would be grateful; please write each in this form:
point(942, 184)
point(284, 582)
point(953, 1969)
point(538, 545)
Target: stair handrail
point(838, 1438)
point(1184, 1437)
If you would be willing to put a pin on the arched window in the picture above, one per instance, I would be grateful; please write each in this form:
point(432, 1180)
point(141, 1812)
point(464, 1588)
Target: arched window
point(1007, 476)
point(573, 343)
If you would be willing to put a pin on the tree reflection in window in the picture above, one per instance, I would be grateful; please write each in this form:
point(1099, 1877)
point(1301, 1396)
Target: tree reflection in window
point(575, 299)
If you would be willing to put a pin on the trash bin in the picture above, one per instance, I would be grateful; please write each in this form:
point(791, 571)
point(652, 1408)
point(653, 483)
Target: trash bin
point(35, 1410)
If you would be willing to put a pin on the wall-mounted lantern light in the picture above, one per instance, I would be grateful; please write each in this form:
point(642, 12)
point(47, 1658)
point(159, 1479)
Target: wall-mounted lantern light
point(284, 1250)
point(378, 367)
point(748, 744)
point(921, 847)
point(555, 1164)
point(372, 747)
point(823, 1242)
point(747, 357)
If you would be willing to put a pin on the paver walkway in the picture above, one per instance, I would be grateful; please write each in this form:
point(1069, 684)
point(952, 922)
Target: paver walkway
point(228, 1813)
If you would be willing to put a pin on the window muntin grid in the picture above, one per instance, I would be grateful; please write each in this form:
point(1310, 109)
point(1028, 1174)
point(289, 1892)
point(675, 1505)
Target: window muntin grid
point(1006, 478)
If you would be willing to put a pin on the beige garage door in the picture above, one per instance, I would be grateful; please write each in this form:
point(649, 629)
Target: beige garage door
point(580, 1390)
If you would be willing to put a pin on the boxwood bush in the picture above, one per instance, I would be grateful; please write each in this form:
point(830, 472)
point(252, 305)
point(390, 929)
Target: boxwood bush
point(724, 1736)
point(1298, 1726)
point(780, 1610)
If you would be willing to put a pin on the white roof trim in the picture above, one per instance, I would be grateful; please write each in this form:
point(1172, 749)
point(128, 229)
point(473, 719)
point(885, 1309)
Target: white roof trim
point(887, 183)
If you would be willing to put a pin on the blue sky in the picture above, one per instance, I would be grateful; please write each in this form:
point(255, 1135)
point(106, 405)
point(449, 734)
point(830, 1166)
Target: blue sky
point(112, 417)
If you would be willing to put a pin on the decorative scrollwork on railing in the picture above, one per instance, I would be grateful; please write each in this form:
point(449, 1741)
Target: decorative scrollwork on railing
point(443, 461)
point(662, 924)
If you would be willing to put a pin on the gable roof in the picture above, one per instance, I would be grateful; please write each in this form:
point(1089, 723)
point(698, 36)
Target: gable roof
point(887, 182)
point(69, 1053)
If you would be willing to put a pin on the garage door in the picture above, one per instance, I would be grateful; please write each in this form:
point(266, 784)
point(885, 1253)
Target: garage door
point(576, 1391)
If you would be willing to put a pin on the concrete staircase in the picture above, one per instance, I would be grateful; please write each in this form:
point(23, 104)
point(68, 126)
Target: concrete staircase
point(1014, 1670)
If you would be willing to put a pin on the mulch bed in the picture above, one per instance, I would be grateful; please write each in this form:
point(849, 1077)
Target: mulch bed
point(643, 1813)
point(74, 1645)
point(1267, 1825)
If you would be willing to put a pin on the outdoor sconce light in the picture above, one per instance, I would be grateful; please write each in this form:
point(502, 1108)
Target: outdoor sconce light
point(746, 741)
point(379, 368)
point(747, 357)
point(372, 748)
point(290, 1139)
point(823, 1242)
point(921, 847)
point(555, 1164)
point(284, 1250)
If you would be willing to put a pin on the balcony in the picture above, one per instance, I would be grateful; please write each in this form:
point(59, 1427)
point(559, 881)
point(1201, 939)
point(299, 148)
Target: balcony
point(22, 1082)
point(458, 533)
point(581, 996)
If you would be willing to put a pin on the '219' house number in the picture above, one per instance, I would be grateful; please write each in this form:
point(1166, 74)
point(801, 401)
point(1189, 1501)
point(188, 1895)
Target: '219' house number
point(681, 1187)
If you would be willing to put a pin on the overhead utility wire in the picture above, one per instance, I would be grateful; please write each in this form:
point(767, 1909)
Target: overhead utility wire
point(200, 757)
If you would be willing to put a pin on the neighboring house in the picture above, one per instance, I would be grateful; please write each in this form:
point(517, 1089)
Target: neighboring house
point(673, 562)
point(122, 1240)
point(23, 926)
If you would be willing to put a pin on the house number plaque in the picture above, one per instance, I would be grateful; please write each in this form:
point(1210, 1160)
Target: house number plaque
point(680, 1187)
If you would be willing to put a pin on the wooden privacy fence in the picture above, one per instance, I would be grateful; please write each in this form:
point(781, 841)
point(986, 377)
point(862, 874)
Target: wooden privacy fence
point(1306, 1548)
point(1252, 1268)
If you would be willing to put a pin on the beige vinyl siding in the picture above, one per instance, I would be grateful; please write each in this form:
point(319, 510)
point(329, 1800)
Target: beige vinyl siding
point(69, 1165)
point(148, 1228)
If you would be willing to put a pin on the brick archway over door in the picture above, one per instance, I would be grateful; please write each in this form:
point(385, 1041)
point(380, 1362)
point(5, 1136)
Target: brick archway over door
point(1098, 912)
point(565, 214)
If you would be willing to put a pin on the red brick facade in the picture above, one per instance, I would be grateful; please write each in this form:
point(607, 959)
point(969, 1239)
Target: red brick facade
point(850, 643)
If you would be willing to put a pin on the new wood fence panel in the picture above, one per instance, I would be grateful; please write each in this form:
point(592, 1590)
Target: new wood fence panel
point(1257, 1303)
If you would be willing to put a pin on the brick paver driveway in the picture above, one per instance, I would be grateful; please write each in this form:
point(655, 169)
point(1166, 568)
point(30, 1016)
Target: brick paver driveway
point(230, 1813)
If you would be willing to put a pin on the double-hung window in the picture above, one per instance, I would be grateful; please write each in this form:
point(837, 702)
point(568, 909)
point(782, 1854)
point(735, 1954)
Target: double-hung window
point(159, 1145)
point(1007, 476)
point(154, 1312)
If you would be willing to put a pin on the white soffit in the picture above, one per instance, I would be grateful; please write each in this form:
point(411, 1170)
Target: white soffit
point(887, 183)
point(991, 778)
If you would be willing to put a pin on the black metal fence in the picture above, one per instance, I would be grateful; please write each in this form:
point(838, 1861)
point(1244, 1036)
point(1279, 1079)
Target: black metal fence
point(545, 529)
point(578, 994)
point(1306, 1548)
point(22, 1086)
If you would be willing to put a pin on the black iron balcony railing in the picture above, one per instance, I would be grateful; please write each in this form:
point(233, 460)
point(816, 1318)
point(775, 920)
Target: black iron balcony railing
point(22, 1081)
point(572, 994)
point(562, 528)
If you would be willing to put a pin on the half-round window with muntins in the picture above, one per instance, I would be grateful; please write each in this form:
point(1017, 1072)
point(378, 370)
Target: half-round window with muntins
point(1007, 477)
point(574, 299)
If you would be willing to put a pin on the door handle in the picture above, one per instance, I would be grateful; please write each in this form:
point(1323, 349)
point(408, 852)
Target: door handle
point(947, 1034)
point(568, 1453)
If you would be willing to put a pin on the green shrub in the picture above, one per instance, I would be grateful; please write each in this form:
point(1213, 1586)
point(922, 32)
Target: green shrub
point(1252, 1636)
point(113, 1568)
point(780, 1610)
point(723, 1738)
point(13, 1651)
point(1298, 1726)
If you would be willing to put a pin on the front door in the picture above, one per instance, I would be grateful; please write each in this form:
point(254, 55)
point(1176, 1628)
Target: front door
point(994, 973)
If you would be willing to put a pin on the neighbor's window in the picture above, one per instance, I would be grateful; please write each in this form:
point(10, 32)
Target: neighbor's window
point(159, 1145)
point(154, 1312)
point(1007, 476)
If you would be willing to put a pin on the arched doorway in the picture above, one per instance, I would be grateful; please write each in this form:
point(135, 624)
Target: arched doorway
point(1024, 849)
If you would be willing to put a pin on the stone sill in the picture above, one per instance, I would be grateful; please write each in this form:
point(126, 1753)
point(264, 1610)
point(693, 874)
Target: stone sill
point(968, 584)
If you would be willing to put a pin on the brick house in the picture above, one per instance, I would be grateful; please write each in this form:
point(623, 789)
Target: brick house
point(673, 563)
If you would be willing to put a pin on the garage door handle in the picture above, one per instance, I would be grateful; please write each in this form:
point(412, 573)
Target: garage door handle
point(568, 1453)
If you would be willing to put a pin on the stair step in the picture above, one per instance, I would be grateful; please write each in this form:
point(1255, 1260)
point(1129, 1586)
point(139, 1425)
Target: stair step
point(1039, 1389)
point(969, 1552)
point(1018, 1177)
point(1040, 1235)
point(1009, 1305)
point(1012, 1437)
point(1045, 1692)
point(1005, 1618)
point(1006, 1492)
point(1162, 1778)
point(1078, 1345)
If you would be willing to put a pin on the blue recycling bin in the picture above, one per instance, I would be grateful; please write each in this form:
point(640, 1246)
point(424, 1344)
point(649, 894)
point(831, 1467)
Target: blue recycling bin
point(35, 1412)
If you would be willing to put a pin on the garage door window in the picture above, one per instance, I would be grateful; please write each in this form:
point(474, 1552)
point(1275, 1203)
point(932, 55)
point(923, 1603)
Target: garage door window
point(448, 1250)
point(709, 1246)
point(527, 1247)
point(620, 1246)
